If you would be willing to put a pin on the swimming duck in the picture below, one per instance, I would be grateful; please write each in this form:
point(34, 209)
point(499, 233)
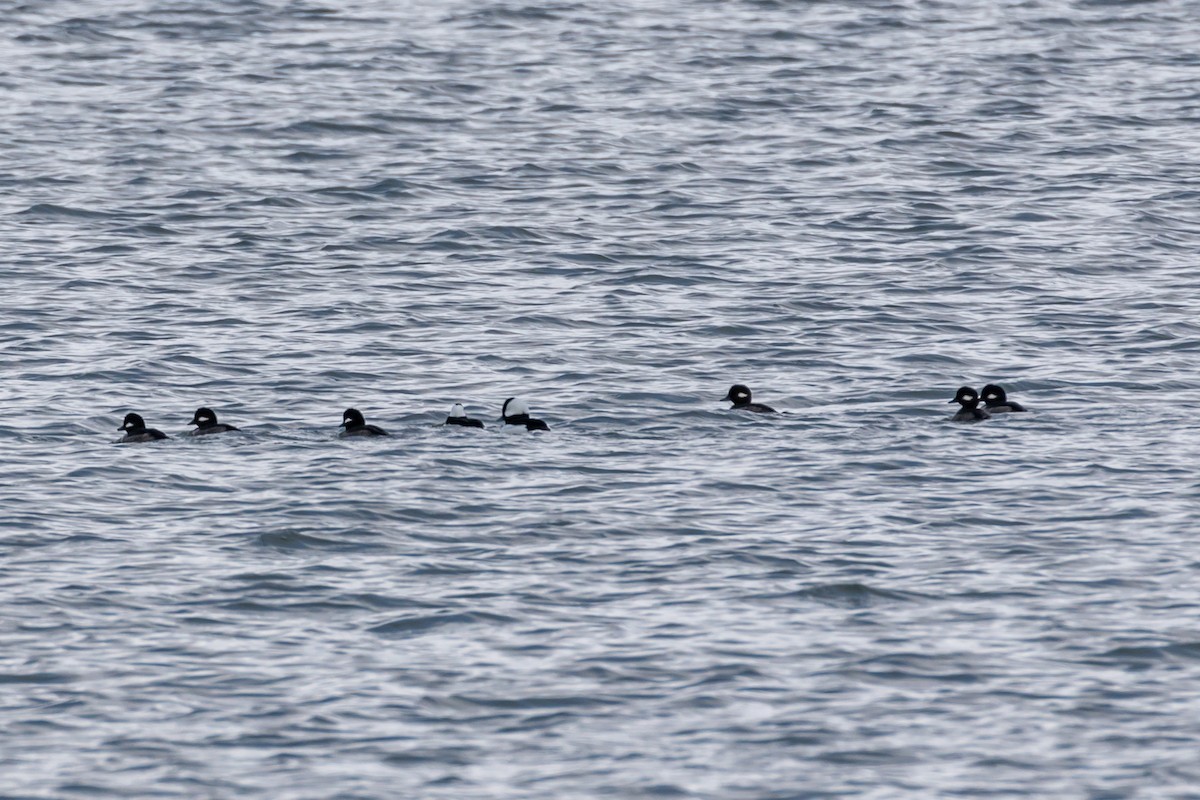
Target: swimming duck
point(136, 431)
point(516, 412)
point(968, 398)
point(355, 425)
point(205, 421)
point(739, 395)
point(997, 401)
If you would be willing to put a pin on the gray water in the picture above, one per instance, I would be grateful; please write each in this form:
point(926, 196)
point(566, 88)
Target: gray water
point(280, 209)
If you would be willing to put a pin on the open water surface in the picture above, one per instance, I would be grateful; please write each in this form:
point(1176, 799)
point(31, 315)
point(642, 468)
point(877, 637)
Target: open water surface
point(283, 208)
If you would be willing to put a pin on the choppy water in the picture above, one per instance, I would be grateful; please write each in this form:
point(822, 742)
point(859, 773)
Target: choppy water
point(280, 209)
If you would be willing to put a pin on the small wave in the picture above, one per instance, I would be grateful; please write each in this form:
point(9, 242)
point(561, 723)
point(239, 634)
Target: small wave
point(292, 540)
point(844, 595)
point(1145, 656)
point(448, 756)
point(421, 624)
point(325, 126)
point(36, 677)
point(51, 211)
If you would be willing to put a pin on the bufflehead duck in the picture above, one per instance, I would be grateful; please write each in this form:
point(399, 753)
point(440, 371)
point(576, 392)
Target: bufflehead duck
point(458, 416)
point(355, 425)
point(136, 430)
point(739, 395)
point(968, 398)
point(997, 401)
point(516, 412)
point(206, 422)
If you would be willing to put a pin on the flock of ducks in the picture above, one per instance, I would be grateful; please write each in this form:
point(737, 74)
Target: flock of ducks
point(516, 412)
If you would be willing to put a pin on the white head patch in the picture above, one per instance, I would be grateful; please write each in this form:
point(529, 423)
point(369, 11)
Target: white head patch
point(458, 410)
point(515, 407)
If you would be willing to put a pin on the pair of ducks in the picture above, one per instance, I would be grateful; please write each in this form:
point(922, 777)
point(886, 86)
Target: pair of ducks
point(136, 431)
point(514, 412)
point(994, 398)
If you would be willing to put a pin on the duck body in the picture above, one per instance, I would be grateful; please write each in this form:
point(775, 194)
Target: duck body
point(968, 398)
point(516, 412)
point(530, 423)
point(353, 424)
point(458, 416)
point(739, 395)
point(996, 400)
point(136, 431)
point(205, 421)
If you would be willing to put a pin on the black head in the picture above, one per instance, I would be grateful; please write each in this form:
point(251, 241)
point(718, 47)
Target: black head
point(133, 424)
point(993, 395)
point(203, 416)
point(352, 417)
point(966, 397)
point(504, 408)
point(739, 395)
